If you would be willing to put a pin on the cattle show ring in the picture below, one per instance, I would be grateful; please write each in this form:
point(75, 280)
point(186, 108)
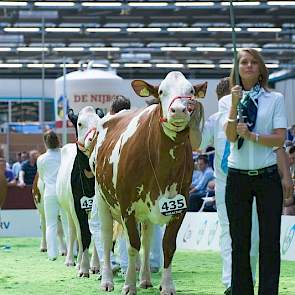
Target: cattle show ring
point(147, 147)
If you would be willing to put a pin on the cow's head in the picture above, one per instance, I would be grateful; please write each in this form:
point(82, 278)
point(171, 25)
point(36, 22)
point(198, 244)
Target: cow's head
point(85, 123)
point(177, 97)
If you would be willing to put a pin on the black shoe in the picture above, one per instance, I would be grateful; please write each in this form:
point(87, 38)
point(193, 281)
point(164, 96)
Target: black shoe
point(227, 291)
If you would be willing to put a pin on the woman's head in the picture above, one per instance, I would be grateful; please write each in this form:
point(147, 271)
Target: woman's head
point(251, 68)
point(50, 139)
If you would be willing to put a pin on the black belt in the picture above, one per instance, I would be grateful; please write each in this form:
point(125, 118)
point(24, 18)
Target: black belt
point(266, 170)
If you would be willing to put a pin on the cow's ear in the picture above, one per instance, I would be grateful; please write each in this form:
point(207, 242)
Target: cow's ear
point(200, 90)
point(73, 117)
point(99, 112)
point(144, 89)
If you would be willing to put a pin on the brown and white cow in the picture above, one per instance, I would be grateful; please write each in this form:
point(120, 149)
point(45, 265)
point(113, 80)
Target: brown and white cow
point(144, 166)
point(3, 186)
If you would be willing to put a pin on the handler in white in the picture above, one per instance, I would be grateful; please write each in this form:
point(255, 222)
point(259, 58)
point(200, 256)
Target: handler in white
point(48, 165)
point(213, 134)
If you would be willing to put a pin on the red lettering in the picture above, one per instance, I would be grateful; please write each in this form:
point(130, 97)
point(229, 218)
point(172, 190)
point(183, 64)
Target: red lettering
point(84, 97)
point(93, 97)
point(77, 98)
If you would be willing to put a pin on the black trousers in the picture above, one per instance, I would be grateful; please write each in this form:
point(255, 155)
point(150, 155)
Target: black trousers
point(240, 189)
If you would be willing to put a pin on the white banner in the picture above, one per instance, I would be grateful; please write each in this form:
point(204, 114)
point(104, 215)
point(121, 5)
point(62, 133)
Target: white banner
point(20, 223)
point(201, 231)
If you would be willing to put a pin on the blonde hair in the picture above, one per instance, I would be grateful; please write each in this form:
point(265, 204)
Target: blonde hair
point(263, 71)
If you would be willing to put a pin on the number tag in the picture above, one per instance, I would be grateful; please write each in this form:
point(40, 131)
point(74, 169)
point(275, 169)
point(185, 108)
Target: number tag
point(172, 206)
point(86, 203)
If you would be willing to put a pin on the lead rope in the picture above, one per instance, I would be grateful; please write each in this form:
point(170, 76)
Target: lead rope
point(150, 160)
point(80, 171)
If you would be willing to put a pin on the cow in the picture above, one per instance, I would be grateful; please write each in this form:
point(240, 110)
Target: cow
point(37, 192)
point(3, 190)
point(75, 187)
point(143, 170)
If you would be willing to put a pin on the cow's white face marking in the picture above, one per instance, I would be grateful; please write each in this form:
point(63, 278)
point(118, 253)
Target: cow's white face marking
point(173, 93)
point(87, 126)
point(130, 130)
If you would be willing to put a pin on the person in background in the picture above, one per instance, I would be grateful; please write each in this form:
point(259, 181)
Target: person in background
point(199, 184)
point(9, 176)
point(28, 169)
point(16, 167)
point(291, 133)
point(253, 172)
point(48, 165)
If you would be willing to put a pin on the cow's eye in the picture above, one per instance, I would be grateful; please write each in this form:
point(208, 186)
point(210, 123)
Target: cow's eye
point(160, 92)
point(79, 124)
point(192, 91)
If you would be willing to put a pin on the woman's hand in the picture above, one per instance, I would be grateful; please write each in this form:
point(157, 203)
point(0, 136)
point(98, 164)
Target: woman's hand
point(243, 131)
point(237, 94)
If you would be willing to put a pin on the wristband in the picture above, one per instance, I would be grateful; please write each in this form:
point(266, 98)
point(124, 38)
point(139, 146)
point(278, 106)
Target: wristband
point(256, 137)
point(231, 120)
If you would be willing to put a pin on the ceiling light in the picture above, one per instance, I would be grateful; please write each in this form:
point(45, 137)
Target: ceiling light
point(68, 49)
point(226, 66)
point(54, 4)
point(184, 29)
point(175, 48)
point(212, 29)
point(32, 49)
point(41, 65)
point(201, 66)
point(115, 65)
point(213, 49)
point(4, 65)
point(241, 48)
point(169, 65)
point(13, 3)
point(272, 66)
point(101, 4)
point(63, 30)
point(137, 30)
point(240, 3)
point(15, 29)
point(104, 49)
point(187, 4)
point(280, 3)
point(103, 30)
point(4, 49)
point(72, 65)
point(147, 4)
point(264, 30)
point(137, 65)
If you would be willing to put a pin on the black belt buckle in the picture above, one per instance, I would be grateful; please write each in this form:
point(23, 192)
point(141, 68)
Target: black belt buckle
point(253, 172)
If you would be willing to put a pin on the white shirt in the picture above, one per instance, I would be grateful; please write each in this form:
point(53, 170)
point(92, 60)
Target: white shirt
point(48, 165)
point(213, 134)
point(271, 115)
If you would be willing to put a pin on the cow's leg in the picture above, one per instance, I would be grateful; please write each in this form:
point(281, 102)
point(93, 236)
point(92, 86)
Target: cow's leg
point(107, 283)
point(169, 247)
point(70, 261)
point(145, 273)
point(94, 263)
point(133, 249)
point(43, 244)
point(60, 238)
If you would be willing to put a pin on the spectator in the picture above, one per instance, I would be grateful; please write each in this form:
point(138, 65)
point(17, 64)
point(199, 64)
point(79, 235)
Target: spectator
point(291, 133)
point(28, 169)
point(48, 165)
point(7, 171)
point(291, 153)
point(199, 184)
point(16, 167)
point(252, 171)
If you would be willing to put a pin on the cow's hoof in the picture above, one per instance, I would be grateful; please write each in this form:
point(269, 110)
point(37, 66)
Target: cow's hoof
point(68, 264)
point(129, 290)
point(84, 274)
point(63, 254)
point(107, 286)
point(94, 269)
point(167, 291)
point(43, 250)
point(145, 284)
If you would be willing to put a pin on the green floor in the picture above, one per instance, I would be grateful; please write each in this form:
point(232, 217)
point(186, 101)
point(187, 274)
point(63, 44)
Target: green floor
point(24, 270)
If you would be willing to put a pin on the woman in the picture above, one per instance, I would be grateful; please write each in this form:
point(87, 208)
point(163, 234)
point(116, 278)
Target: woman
point(253, 172)
point(48, 165)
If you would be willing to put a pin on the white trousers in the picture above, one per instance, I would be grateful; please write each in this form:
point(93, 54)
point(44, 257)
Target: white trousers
point(225, 239)
point(51, 209)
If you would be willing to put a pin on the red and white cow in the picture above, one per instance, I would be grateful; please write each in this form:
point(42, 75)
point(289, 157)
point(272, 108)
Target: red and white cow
point(76, 181)
point(38, 193)
point(143, 173)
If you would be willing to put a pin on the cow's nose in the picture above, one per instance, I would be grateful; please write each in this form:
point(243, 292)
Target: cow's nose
point(177, 110)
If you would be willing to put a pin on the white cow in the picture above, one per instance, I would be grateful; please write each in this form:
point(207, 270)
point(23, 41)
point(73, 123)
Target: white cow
point(75, 198)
